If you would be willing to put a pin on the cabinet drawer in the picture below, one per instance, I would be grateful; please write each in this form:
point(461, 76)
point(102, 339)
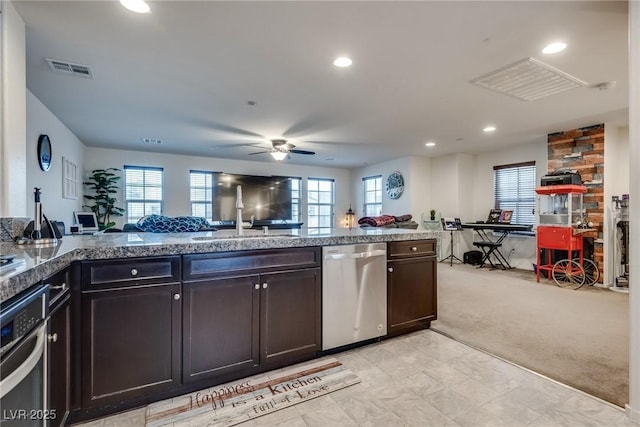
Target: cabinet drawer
point(411, 248)
point(199, 266)
point(130, 272)
point(59, 284)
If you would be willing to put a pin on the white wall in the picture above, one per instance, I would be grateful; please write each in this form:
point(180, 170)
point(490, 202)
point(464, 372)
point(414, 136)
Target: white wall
point(444, 186)
point(414, 200)
point(176, 176)
point(13, 117)
point(64, 144)
point(520, 250)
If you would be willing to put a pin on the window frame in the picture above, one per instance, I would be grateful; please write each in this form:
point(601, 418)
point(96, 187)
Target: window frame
point(522, 205)
point(207, 203)
point(377, 192)
point(321, 229)
point(144, 200)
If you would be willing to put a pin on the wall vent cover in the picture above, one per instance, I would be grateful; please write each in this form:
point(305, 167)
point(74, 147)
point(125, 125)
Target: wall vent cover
point(528, 80)
point(69, 68)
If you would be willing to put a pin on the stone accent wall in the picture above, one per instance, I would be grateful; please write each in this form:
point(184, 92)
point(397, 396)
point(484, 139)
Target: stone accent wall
point(582, 150)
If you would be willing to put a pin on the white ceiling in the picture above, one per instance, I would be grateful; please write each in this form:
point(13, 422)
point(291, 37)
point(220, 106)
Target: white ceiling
point(185, 73)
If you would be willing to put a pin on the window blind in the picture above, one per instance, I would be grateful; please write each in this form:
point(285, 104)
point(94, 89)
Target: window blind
point(514, 189)
point(320, 203)
point(144, 191)
point(201, 194)
point(372, 191)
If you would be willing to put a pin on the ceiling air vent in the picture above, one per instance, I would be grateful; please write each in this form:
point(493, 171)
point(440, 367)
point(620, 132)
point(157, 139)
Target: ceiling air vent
point(528, 80)
point(151, 141)
point(65, 67)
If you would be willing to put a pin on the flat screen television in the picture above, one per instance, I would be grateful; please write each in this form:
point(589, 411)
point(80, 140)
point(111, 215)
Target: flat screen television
point(265, 197)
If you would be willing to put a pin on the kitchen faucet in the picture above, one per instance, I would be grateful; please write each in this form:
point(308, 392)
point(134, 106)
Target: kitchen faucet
point(239, 207)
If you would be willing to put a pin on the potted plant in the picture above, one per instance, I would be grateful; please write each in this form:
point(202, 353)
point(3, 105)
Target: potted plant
point(104, 183)
point(432, 212)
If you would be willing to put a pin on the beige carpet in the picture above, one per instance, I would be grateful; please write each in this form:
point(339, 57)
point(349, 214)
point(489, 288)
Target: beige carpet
point(579, 338)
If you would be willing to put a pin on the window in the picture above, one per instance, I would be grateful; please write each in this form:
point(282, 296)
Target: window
point(372, 190)
point(143, 191)
point(295, 199)
point(201, 194)
point(320, 204)
point(514, 189)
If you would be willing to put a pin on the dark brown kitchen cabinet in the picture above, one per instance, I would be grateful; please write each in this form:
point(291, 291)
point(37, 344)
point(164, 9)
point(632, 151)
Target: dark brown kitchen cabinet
point(235, 325)
point(131, 329)
point(220, 326)
point(59, 348)
point(290, 316)
point(411, 285)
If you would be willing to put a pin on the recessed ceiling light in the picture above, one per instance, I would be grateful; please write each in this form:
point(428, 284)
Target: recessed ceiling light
point(554, 48)
point(489, 129)
point(430, 144)
point(137, 6)
point(342, 62)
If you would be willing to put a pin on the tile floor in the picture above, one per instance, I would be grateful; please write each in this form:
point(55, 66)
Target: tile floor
point(426, 379)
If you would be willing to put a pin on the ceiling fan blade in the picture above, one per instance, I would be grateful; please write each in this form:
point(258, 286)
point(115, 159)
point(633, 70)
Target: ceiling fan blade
point(258, 152)
point(310, 153)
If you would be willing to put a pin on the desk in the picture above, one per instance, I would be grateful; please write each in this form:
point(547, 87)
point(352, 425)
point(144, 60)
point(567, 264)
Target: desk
point(503, 229)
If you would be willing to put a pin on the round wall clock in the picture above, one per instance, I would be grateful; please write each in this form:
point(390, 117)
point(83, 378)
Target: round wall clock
point(44, 152)
point(394, 185)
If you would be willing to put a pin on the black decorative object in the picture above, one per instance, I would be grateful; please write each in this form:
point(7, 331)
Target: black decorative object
point(45, 154)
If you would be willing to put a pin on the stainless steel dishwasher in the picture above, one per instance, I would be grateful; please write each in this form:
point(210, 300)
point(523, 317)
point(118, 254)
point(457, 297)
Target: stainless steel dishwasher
point(354, 293)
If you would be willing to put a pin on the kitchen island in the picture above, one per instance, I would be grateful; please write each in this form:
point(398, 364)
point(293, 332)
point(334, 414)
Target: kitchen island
point(41, 262)
point(141, 317)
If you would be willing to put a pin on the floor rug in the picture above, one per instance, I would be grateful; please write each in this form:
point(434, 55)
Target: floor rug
point(239, 401)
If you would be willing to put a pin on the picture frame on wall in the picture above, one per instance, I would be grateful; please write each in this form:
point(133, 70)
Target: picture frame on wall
point(69, 179)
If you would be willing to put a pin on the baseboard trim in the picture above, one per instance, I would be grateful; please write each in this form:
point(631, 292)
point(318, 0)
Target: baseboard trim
point(632, 414)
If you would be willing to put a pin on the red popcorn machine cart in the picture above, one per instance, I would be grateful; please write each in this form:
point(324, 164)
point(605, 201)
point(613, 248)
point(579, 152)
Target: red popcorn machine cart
point(562, 223)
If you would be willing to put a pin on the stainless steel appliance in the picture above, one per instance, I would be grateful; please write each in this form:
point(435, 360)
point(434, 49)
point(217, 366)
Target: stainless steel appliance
point(22, 359)
point(354, 293)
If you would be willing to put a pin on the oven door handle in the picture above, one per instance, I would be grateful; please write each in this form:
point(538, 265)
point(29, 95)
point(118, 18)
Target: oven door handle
point(13, 379)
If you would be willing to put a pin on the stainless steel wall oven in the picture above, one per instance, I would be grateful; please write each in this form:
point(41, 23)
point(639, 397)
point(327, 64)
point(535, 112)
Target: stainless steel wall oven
point(23, 368)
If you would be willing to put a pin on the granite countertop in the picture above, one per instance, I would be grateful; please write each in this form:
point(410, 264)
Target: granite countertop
point(41, 262)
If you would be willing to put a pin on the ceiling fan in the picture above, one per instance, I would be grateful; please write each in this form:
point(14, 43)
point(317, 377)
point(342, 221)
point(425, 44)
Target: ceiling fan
point(281, 150)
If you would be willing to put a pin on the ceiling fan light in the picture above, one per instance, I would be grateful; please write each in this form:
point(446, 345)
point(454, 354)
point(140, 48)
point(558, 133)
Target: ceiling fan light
point(278, 155)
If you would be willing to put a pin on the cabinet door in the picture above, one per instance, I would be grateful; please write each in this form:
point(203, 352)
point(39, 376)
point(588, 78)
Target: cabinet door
point(131, 343)
point(221, 318)
point(411, 293)
point(59, 365)
point(290, 316)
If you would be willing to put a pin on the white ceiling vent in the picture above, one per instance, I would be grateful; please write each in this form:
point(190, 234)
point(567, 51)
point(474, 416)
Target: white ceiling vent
point(528, 80)
point(65, 67)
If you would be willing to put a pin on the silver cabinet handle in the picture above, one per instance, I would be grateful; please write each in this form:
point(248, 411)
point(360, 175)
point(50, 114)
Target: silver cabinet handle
point(390, 269)
point(257, 286)
point(52, 337)
point(413, 249)
point(134, 272)
point(61, 287)
point(264, 285)
point(176, 297)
